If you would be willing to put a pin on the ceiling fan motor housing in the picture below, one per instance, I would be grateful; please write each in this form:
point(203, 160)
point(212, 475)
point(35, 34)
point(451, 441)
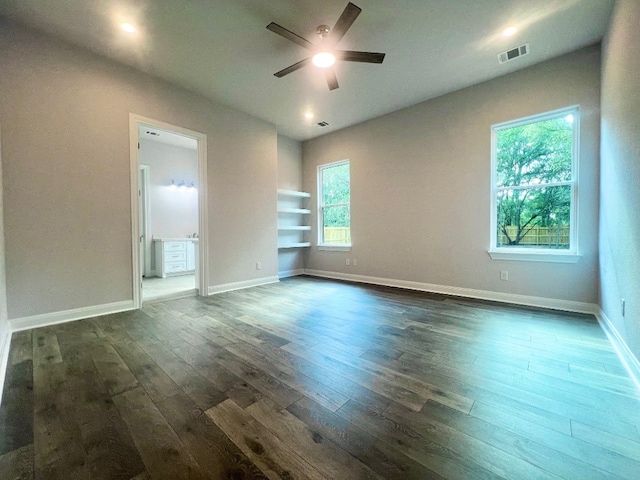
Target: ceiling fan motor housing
point(323, 31)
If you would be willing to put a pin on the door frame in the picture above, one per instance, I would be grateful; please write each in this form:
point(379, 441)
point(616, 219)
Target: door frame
point(145, 263)
point(202, 281)
point(5, 327)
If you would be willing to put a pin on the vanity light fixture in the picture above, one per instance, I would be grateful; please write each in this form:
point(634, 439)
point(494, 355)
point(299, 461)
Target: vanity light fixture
point(182, 185)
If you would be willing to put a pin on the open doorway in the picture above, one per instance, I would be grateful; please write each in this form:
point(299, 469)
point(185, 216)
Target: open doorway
point(168, 203)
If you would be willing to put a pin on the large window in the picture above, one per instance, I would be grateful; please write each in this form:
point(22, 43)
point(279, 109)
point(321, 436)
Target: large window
point(534, 167)
point(334, 199)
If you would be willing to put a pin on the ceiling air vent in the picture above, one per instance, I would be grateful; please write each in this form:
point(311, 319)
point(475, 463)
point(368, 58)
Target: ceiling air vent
point(323, 124)
point(513, 53)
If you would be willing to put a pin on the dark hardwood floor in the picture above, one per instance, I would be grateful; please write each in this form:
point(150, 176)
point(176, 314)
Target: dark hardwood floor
point(322, 380)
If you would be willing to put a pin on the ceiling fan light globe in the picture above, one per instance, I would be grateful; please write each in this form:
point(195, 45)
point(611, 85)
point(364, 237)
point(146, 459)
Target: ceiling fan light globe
point(323, 59)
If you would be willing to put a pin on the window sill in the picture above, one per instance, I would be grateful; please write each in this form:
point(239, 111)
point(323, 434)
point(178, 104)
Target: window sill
point(334, 248)
point(528, 256)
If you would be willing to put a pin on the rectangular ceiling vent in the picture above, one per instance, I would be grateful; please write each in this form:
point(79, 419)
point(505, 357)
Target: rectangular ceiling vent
point(513, 53)
point(323, 124)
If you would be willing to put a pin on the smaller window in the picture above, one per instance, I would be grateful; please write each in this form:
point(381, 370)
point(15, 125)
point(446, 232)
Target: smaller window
point(334, 204)
point(534, 191)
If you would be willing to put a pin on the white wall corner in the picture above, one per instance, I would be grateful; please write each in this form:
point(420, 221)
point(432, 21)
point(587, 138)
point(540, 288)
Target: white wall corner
point(525, 300)
point(46, 319)
point(227, 287)
point(291, 273)
point(626, 356)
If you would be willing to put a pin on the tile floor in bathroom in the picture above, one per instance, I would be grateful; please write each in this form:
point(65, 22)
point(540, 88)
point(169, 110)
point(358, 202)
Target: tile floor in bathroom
point(156, 287)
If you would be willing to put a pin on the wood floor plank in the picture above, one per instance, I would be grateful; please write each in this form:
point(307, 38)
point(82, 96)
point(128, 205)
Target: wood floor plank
point(486, 386)
point(147, 372)
point(470, 387)
point(103, 448)
point(273, 457)
point(377, 455)
point(606, 384)
point(549, 461)
point(281, 328)
point(16, 410)
point(327, 378)
point(327, 457)
point(596, 456)
point(203, 393)
point(164, 455)
point(399, 382)
point(218, 456)
point(313, 389)
point(609, 441)
point(383, 386)
point(112, 369)
point(443, 449)
point(267, 384)
point(21, 347)
point(17, 464)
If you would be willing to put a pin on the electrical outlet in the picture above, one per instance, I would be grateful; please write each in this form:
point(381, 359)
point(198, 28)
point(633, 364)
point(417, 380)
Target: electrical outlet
point(258, 265)
point(622, 305)
point(504, 275)
point(355, 262)
point(348, 262)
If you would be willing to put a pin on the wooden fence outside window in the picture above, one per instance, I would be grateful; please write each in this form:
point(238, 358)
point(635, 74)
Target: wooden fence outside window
point(540, 236)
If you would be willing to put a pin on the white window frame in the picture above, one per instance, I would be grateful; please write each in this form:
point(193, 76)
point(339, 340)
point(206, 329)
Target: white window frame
point(570, 255)
point(331, 246)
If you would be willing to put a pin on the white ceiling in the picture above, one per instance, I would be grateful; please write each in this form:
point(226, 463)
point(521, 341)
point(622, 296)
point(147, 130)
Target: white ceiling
point(222, 50)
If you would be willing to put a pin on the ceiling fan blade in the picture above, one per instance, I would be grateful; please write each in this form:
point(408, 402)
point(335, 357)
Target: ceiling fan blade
point(343, 24)
point(332, 80)
point(293, 68)
point(366, 57)
point(289, 35)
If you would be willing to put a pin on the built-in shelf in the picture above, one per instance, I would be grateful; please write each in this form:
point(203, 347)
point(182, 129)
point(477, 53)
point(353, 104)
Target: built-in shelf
point(296, 227)
point(293, 193)
point(295, 245)
point(292, 228)
point(294, 210)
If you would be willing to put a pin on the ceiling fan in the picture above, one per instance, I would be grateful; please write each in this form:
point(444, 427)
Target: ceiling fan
point(325, 54)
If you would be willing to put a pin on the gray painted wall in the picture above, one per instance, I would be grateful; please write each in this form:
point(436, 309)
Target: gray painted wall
point(65, 118)
point(420, 206)
point(290, 178)
point(4, 317)
point(620, 174)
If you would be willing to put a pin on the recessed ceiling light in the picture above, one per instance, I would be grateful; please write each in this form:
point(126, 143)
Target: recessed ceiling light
point(509, 32)
point(308, 115)
point(323, 59)
point(127, 27)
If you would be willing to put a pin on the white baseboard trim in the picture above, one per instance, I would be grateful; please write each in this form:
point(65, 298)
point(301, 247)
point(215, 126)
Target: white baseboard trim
point(5, 344)
point(227, 287)
point(46, 319)
point(626, 356)
point(552, 303)
point(291, 273)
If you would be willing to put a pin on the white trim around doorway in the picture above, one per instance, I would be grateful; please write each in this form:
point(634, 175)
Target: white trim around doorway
point(203, 259)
